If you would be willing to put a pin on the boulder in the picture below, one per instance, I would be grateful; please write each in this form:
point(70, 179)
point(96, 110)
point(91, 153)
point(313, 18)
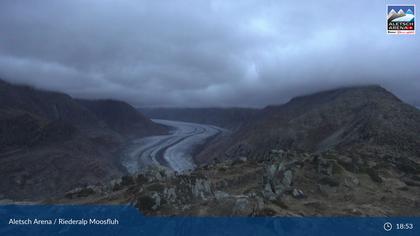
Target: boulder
point(157, 200)
point(220, 195)
point(201, 188)
point(170, 195)
point(243, 207)
point(351, 181)
point(297, 193)
point(277, 179)
point(287, 178)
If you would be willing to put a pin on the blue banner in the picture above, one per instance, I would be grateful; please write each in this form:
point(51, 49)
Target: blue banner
point(127, 220)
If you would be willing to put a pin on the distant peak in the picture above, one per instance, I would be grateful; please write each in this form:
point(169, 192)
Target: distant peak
point(373, 91)
point(371, 87)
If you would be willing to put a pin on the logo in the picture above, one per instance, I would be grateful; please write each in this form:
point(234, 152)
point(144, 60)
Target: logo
point(401, 19)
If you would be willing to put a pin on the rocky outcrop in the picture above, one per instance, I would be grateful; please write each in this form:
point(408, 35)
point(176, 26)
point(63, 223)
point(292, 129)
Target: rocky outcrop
point(286, 183)
point(176, 191)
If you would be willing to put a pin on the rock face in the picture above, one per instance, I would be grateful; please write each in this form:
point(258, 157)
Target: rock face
point(277, 179)
point(51, 143)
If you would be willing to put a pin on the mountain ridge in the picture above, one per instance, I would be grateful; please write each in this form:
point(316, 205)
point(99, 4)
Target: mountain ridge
point(51, 143)
point(122, 117)
point(336, 119)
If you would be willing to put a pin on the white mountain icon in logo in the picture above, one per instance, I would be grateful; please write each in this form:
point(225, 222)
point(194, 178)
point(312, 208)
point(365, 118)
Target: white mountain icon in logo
point(392, 13)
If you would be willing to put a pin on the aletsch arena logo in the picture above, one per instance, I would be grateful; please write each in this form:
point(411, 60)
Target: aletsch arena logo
point(401, 19)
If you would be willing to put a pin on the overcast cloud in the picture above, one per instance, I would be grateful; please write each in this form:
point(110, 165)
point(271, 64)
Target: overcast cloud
point(204, 53)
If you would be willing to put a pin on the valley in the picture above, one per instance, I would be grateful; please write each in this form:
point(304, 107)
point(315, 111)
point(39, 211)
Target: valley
point(357, 145)
point(349, 151)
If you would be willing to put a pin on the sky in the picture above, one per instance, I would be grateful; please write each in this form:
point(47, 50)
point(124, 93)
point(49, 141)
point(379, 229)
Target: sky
point(197, 53)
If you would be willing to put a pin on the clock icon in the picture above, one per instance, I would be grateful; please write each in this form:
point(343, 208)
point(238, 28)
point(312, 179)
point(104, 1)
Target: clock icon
point(387, 226)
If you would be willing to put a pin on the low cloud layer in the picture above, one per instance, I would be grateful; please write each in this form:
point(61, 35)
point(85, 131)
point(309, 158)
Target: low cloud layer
point(204, 53)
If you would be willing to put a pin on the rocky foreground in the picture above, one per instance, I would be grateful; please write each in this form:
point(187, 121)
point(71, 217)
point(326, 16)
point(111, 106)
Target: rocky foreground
point(286, 183)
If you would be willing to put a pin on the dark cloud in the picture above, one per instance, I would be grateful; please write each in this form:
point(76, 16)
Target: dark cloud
point(204, 53)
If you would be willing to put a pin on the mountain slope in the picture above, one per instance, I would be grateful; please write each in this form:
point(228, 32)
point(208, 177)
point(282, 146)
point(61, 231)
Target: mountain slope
point(368, 119)
point(46, 104)
point(51, 143)
point(122, 117)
